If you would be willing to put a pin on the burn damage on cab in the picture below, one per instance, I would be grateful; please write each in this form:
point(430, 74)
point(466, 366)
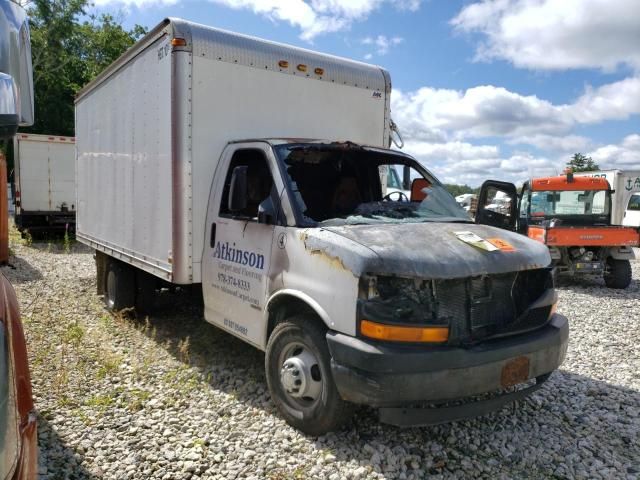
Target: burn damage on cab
point(474, 308)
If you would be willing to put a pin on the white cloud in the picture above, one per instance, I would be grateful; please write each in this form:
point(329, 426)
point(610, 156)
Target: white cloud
point(487, 111)
point(562, 143)
point(463, 162)
point(555, 35)
point(134, 3)
point(312, 17)
point(382, 43)
point(625, 155)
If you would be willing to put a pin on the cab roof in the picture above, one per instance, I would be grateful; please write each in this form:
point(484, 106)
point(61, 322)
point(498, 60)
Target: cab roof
point(569, 183)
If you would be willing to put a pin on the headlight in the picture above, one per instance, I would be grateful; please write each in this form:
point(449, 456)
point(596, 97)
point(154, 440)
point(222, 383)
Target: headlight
point(400, 309)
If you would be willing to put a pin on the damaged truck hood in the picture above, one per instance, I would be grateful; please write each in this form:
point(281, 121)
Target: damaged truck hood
point(424, 250)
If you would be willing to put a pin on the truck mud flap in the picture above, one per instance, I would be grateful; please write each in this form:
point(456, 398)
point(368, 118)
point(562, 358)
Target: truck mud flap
point(421, 416)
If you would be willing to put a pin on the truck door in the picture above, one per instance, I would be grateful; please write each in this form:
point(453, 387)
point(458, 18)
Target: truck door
point(237, 254)
point(498, 205)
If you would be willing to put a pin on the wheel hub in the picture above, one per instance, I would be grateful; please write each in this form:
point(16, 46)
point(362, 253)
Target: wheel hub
point(297, 376)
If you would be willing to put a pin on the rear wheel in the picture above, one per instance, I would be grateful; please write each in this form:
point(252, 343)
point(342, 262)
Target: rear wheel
point(120, 286)
point(617, 273)
point(299, 377)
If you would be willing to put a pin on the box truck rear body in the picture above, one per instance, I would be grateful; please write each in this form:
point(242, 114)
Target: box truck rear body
point(625, 199)
point(151, 155)
point(44, 182)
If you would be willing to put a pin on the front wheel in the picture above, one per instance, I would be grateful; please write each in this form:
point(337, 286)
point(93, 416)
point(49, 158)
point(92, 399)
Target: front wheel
point(617, 273)
point(298, 371)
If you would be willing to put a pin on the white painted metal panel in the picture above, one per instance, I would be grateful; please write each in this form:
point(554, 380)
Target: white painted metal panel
point(233, 102)
point(62, 176)
point(152, 127)
point(45, 172)
point(34, 176)
point(123, 130)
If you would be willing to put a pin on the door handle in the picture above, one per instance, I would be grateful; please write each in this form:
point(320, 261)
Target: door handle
point(213, 235)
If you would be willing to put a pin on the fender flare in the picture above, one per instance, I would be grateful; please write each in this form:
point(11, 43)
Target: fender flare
point(309, 301)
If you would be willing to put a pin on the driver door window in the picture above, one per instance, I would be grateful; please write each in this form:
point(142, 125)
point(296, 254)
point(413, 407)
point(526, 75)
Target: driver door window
point(259, 184)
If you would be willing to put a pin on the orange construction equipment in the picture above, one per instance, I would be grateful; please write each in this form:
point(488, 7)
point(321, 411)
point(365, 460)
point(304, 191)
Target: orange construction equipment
point(572, 216)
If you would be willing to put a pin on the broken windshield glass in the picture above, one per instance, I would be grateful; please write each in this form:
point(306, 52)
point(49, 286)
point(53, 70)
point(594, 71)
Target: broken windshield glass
point(344, 184)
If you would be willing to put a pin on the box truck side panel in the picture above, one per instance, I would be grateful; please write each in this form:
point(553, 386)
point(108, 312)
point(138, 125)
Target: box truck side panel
point(124, 163)
point(62, 176)
point(233, 102)
point(34, 176)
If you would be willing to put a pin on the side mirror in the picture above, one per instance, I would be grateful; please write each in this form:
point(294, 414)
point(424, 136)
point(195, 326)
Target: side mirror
point(238, 189)
point(267, 212)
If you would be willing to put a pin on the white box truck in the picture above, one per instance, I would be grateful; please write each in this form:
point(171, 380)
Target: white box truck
point(44, 180)
point(625, 200)
point(252, 169)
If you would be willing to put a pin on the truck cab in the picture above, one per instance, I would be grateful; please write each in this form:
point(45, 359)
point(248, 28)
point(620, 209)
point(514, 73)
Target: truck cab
point(358, 297)
point(572, 216)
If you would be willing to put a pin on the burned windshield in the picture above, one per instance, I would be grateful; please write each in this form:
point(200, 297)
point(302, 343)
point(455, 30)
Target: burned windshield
point(344, 184)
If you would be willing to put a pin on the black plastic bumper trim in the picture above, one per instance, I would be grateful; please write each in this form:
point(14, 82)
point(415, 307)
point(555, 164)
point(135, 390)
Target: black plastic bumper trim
point(416, 417)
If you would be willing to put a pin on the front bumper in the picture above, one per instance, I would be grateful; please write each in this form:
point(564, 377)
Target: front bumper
point(391, 376)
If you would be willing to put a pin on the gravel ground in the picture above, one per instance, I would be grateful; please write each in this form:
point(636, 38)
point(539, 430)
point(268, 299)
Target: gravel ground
point(171, 397)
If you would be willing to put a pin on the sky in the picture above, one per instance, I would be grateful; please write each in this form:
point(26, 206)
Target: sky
point(492, 89)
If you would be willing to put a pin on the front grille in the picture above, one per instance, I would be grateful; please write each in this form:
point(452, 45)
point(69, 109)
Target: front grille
point(489, 305)
point(474, 308)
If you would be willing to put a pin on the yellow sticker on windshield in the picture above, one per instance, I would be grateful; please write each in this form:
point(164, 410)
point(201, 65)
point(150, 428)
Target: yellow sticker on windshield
point(501, 244)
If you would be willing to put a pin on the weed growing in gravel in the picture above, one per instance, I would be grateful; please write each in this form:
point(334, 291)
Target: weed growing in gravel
point(28, 239)
point(102, 402)
point(137, 399)
point(183, 351)
point(73, 334)
point(67, 240)
point(109, 364)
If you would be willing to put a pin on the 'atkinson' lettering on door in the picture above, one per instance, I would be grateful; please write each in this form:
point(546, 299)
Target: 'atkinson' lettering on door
point(227, 252)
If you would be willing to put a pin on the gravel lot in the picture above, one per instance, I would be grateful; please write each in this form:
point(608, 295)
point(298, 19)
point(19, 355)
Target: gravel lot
point(174, 398)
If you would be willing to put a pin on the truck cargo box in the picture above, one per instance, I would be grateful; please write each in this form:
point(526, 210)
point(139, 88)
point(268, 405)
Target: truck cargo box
point(183, 93)
point(44, 179)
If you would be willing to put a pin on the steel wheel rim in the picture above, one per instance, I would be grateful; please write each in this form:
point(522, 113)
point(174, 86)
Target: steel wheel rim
point(300, 375)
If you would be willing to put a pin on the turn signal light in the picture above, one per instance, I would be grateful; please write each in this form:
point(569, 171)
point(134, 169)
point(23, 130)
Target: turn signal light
point(179, 42)
point(395, 333)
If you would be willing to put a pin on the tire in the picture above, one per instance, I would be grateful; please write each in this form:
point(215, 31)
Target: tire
point(119, 290)
point(298, 345)
point(617, 273)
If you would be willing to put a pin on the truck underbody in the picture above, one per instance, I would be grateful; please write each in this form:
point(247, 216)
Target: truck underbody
point(45, 222)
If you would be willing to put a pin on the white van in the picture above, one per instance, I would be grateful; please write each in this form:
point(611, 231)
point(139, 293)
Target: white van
point(198, 162)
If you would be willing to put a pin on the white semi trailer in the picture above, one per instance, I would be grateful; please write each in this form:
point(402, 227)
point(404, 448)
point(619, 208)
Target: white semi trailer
point(252, 170)
point(44, 179)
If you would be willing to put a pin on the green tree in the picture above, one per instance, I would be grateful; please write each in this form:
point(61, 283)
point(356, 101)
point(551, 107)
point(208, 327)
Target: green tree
point(582, 163)
point(67, 54)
